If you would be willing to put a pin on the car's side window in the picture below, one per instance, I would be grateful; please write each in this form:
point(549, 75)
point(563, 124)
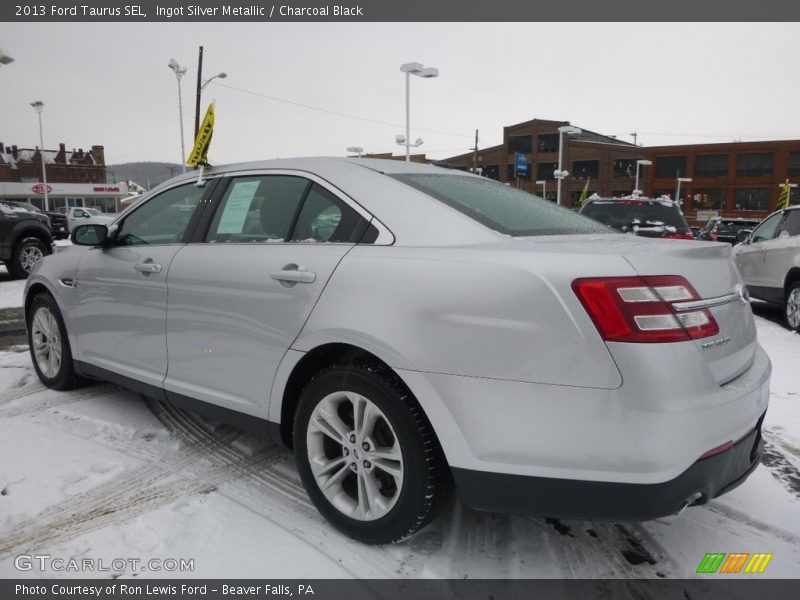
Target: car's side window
point(325, 218)
point(768, 229)
point(258, 209)
point(791, 226)
point(283, 208)
point(78, 213)
point(162, 219)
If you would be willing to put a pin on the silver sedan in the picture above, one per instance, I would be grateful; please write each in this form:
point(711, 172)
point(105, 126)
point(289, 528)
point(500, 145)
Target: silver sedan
point(404, 328)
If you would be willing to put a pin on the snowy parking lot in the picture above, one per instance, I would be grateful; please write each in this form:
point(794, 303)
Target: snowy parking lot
point(100, 473)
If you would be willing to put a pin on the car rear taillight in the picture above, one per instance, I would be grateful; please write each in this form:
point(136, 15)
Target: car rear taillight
point(640, 309)
point(679, 236)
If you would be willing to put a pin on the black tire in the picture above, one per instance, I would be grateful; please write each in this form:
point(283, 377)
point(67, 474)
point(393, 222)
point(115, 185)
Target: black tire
point(791, 307)
point(425, 479)
point(24, 256)
point(38, 319)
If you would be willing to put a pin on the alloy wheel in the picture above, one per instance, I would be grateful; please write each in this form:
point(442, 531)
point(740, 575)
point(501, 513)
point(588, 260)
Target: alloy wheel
point(355, 456)
point(46, 341)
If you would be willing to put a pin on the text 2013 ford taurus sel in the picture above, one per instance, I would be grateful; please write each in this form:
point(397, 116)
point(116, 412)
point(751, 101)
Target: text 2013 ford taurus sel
point(403, 327)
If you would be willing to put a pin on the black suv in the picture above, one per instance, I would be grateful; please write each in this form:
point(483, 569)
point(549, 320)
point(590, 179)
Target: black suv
point(722, 229)
point(647, 217)
point(24, 238)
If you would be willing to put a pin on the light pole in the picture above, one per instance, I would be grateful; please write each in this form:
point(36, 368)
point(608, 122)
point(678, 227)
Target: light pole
point(5, 59)
point(179, 72)
point(38, 106)
point(639, 163)
point(678, 187)
point(543, 183)
point(201, 85)
point(417, 69)
point(355, 149)
point(561, 173)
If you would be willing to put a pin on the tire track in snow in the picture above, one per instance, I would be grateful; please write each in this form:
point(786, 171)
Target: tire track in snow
point(48, 401)
point(134, 492)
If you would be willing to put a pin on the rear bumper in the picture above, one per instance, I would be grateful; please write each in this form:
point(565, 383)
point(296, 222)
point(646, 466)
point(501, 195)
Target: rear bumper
point(573, 499)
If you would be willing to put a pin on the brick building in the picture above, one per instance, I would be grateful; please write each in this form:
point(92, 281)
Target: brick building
point(74, 178)
point(739, 179)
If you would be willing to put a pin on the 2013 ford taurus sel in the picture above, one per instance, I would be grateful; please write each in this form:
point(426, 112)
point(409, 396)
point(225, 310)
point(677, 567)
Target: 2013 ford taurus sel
point(402, 327)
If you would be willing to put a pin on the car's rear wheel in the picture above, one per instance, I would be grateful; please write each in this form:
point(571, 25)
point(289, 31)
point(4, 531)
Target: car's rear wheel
point(49, 344)
point(27, 253)
point(791, 311)
point(367, 455)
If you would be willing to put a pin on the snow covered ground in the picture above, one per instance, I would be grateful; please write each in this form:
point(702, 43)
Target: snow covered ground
point(102, 474)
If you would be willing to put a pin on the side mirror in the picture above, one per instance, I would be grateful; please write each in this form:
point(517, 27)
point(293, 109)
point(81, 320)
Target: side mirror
point(743, 236)
point(89, 235)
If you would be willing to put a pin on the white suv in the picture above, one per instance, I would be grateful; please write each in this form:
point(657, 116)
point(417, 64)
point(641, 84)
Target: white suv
point(769, 261)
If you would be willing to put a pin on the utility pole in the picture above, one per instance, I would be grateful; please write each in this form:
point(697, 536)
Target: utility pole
point(635, 135)
point(475, 154)
point(197, 101)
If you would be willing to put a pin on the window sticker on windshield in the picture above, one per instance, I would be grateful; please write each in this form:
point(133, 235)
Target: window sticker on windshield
point(237, 206)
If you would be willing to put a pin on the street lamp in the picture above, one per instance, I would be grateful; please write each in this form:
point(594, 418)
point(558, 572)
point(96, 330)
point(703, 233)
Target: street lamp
point(179, 72)
point(356, 150)
point(561, 173)
point(417, 69)
point(38, 106)
point(640, 163)
point(678, 187)
point(5, 58)
point(543, 183)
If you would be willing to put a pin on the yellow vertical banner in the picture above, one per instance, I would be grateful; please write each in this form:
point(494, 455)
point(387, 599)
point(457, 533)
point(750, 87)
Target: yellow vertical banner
point(199, 153)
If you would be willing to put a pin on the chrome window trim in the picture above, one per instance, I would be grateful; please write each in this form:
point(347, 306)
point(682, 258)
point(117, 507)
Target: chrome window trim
point(385, 236)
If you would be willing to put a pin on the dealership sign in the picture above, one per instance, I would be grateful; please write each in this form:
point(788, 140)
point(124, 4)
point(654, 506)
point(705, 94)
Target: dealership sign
point(41, 188)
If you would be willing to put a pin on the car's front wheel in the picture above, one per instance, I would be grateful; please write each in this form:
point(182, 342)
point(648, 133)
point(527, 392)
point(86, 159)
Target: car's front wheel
point(791, 310)
point(49, 344)
point(26, 254)
point(367, 455)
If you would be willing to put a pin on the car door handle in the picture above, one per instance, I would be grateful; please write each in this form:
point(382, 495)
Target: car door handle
point(148, 267)
point(294, 275)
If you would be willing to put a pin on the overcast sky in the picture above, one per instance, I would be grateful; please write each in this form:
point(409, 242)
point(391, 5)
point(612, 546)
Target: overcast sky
point(109, 84)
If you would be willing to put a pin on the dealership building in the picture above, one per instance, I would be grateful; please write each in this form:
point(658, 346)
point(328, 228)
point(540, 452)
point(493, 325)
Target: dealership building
point(738, 179)
point(74, 178)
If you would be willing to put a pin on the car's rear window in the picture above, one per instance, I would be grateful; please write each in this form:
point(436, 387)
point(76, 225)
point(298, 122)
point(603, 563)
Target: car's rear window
point(624, 215)
point(502, 208)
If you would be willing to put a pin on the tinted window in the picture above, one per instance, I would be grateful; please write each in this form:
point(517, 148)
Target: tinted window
point(711, 165)
point(768, 229)
point(670, 166)
point(755, 164)
point(625, 215)
point(258, 209)
point(325, 218)
point(163, 219)
point(500, 207)
point(792, 223)
point(752, 199)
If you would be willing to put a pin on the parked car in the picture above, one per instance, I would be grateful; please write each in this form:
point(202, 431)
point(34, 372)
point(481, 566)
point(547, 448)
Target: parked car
point(402, 326)
point(24, 239)
point(647, 217)
point(769, 261)
point(58, 221)
point(725, 229)
point(78, 215)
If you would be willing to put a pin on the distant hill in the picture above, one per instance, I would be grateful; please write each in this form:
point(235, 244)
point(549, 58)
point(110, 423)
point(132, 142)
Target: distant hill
point(146, 174)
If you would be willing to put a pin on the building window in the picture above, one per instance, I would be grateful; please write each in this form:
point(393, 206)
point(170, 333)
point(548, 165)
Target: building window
point(754, 165)
point(710, 199)
point(586, 169)
point(668, 167)
point(624, 168)
point(548, 142)
point(711, 165)
point(794, 163)
point(491, 171)
point(546, 170)
point(520, 143)
point(752, 199)
point(551, 196)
